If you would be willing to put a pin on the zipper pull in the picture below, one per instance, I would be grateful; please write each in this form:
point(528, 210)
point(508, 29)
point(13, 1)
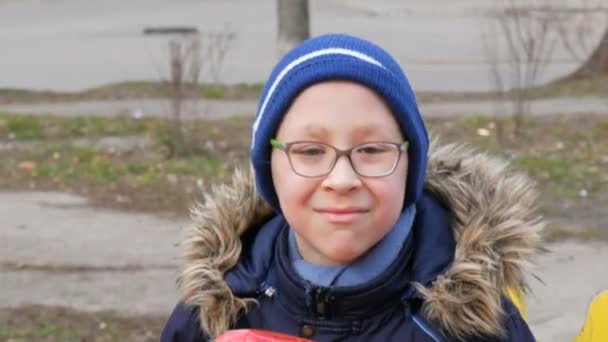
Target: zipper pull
point(319, 302)
point(269, 292)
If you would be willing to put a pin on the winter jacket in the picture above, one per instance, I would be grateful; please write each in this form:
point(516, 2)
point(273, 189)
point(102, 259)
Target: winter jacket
point(474, 233)
point(596, 324)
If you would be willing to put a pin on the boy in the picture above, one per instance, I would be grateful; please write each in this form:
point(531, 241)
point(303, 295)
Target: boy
point(348, 234)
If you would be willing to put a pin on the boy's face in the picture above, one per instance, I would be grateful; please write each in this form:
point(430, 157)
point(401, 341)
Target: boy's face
point(337, 218)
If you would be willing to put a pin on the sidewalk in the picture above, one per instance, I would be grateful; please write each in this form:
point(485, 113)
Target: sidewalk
point(572, 273)
point(56, 250)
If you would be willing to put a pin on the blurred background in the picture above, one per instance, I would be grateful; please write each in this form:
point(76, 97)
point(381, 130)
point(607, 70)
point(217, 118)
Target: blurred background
point(75, 45)
point(116, 115)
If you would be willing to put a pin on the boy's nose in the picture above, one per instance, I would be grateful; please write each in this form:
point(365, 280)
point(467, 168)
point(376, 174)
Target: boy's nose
point(342, 177)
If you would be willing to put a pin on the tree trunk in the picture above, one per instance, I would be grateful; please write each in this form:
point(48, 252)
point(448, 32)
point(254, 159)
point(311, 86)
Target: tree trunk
point(293, 24)
point(597, 64)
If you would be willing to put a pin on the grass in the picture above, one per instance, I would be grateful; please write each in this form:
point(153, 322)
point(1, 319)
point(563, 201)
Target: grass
point(569, 175)
point(128, 89)
point(138, 89)
point(558, 169)
point(132, 90)
point(117, 180)
point(29, 127)
point(555, 233)
point(65, 161)
point(62, 162)
point(213, 92)
point(477, 120)
point(577, 88)
point(128, 177)
point(566, 156)
point(22, 127)
point(194, 165)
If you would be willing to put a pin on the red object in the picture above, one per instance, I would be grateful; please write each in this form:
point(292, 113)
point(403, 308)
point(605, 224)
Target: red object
point(253, 335)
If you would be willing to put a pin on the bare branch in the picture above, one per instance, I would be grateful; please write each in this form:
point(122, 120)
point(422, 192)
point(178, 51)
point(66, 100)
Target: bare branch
point(530, 43)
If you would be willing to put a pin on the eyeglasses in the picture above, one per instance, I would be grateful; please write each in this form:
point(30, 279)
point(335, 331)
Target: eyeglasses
point(314, 159)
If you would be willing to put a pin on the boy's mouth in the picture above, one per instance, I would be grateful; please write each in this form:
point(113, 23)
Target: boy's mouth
point(342, 215)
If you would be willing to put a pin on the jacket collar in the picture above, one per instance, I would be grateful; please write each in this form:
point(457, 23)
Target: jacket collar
point(426, 253)
point(345, 303)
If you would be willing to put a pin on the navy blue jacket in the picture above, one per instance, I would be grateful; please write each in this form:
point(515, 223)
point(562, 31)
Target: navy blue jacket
point(388, 308)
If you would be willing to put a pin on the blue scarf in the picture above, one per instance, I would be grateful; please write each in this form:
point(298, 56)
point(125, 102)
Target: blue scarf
point(363, 269)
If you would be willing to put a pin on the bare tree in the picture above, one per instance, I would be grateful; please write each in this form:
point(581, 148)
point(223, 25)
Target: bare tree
point(192, 56)
point(185, 70)
point(530, 42)
point(216, 46)
point(491, 50)
point(293, 23)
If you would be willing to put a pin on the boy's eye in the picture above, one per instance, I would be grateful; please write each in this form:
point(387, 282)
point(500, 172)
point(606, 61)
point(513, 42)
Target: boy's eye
point(309, 149)
point(373, 148)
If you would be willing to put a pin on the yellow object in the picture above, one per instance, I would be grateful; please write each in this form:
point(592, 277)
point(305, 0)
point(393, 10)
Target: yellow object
point(517, 297)
point(596, 325)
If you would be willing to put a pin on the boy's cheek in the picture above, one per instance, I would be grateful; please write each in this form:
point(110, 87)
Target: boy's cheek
point(293, 191)
point(281, 174)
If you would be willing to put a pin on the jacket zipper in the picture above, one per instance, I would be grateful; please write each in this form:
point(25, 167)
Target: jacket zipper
point(318, 300)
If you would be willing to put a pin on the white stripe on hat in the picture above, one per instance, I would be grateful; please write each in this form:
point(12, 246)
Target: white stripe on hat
point(300, 60)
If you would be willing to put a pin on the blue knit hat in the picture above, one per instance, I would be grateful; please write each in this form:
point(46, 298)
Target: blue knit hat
point(337, 57)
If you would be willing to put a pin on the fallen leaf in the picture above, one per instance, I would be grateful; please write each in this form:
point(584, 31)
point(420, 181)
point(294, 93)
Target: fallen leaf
point(27, 166)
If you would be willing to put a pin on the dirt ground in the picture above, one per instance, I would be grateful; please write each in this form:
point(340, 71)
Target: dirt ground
point(45, 323)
